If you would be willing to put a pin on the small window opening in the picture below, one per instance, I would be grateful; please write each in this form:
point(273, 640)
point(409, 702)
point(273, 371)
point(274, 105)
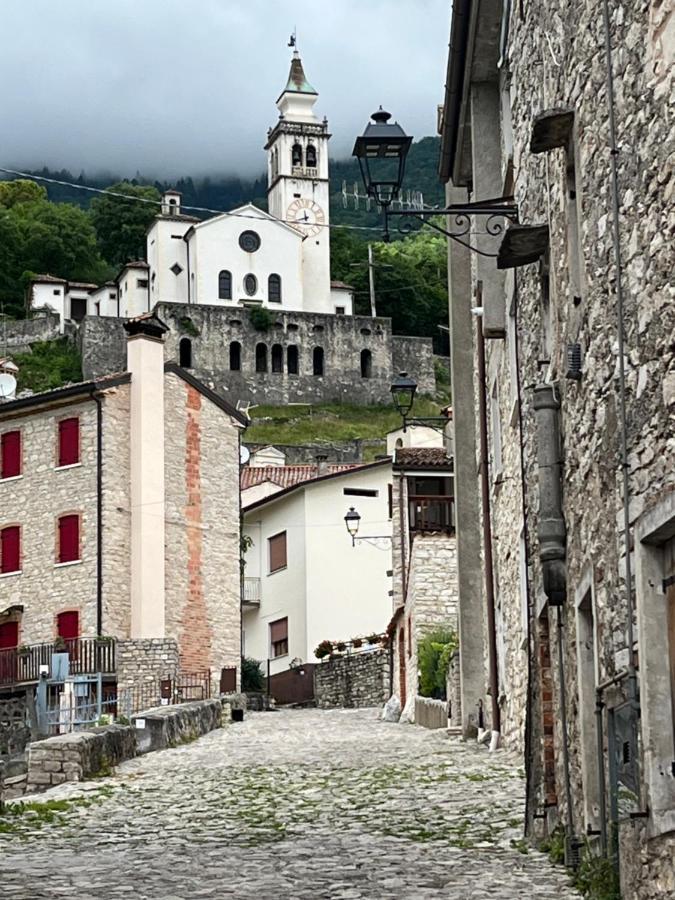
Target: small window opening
point(235, 356)
point(277, 358)
point(185, 353)
point(317, 361)
point(311, 156)
point(366, 364)
point(261, 358)
point(292, 360)
point(296, 155)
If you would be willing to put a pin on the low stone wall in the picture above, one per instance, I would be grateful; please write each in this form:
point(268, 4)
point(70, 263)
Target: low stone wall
point(171, 726)
point(19, 334)
point(145, 661)
point(14, 726)
point(431, 713)
point(352, 681)
point(74, 757)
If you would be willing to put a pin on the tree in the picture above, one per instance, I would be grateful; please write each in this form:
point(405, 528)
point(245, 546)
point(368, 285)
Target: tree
point(121, 225)
point(37, 236)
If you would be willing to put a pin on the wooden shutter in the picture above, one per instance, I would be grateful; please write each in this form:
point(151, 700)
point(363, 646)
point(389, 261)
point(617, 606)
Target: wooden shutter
point(69, 442)
point(9, 635)
point(69, 538)
point(10, 549)
point(279, 631)
point(11, 454)
point(68, 625)
point(278, 552)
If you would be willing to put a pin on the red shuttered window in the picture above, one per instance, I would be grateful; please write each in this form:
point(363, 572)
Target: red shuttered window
point(10, 454)
point(10, 549)
point(69, 538)
point(68, 625)
point(69, 442)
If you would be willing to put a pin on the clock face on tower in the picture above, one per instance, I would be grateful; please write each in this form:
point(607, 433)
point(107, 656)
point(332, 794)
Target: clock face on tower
point(306, 215)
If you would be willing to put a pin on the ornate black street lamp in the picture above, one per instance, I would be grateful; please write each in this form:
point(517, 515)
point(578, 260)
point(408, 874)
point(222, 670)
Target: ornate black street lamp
point(382, 150)
point(352, 521)
point(403, 389)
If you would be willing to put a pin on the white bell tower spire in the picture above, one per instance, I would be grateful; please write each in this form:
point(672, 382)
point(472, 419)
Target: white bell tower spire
point(298, 187)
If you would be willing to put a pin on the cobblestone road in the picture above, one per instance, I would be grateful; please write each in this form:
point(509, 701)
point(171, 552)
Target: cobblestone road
point(294, 804)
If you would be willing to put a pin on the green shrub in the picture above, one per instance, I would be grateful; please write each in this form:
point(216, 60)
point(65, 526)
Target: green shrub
point(187, 326)
point(49, 365)
point(260, 318)
point(596, 877)
point(252, 677)
point(433, 657)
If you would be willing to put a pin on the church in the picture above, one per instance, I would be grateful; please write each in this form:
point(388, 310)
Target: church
point(246, 257)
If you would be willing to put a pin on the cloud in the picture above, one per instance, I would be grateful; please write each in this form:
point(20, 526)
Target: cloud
point(170, 87)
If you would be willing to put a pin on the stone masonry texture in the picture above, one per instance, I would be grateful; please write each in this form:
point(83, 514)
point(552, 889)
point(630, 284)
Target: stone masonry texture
point(295, 805)
point(352, 681)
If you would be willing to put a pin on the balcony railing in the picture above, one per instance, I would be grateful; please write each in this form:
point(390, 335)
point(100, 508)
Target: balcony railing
point(86, 657)
point(432, 514)
point(252, 591)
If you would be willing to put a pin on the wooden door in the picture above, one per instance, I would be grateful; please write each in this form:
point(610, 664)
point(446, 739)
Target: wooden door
point(9, 641)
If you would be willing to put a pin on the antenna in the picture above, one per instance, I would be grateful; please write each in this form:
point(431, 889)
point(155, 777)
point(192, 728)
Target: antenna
point(7, 386)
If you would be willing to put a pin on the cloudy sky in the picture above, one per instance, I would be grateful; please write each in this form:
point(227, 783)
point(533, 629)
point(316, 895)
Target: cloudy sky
point(188, 86)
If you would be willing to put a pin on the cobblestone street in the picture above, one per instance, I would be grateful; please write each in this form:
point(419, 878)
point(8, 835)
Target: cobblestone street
point(293, 804)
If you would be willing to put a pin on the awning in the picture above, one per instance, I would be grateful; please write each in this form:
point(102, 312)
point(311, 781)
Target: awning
point(551, 129)
point(521, 245)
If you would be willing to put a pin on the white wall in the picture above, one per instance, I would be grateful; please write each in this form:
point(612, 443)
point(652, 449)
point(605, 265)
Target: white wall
point(163, 250)
point(134, 299)
point(414, 436)
point(51, 295)
point(106, 297)
point(340, 297)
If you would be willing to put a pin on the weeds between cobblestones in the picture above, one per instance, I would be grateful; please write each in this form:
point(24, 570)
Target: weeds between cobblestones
point(296, 804)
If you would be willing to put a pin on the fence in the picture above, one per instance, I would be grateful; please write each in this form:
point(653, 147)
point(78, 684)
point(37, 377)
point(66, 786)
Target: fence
point(86, 656)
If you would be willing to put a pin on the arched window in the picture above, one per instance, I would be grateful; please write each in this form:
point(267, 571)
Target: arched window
point(274, 289)
point(292, 360)
point(366, 364)
point(296, 155)
point(185, 353)
point(261, 357)
point(277, 358)
point(317, 360)
point(235, 356)
point(310, 156)
point(225, 285)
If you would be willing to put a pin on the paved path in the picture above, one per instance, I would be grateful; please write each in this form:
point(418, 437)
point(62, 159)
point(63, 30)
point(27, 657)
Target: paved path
point(295, 804)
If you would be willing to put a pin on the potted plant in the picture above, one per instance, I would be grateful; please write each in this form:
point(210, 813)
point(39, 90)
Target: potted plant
point(373, 638)
point(340, 646)
point(24, 650)
point(60, 645)
point(357, 642)
point(324, 649)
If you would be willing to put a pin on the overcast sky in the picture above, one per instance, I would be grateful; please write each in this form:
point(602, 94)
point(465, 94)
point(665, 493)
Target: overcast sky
point(176, 87)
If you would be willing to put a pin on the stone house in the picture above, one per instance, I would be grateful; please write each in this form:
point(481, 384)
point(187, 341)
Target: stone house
point(568, 372)
point(424, 560)
point(119, 517)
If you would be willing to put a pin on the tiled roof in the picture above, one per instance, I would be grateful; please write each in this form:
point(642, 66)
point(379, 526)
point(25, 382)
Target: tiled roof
point(49, 279)
point(340, 285)
point(82, 286)
point(136, 264)
point(422, 458)
point(287, 476)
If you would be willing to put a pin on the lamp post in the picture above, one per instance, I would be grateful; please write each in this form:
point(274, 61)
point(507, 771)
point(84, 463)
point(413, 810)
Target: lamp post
point(352, 521)
point(403, 389)
point(382, 150)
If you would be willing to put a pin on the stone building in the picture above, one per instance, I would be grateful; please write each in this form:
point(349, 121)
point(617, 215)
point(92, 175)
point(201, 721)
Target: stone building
point(119, 517)
point(424, 560)
point(579, 431)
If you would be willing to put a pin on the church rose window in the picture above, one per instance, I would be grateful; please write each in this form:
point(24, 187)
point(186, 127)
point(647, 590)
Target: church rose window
point(250, 285)
point(249, 241)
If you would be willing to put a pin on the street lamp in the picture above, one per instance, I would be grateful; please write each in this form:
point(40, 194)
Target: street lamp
point(382, 150)
point(352, 521)
point(403, 389)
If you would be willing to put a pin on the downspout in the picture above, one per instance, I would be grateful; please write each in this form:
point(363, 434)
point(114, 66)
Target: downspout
point(99, 512)
point(487, 539)
point(187, 252)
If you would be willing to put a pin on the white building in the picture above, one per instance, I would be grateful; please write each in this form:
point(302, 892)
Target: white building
point(304, 581)
point(245, 257)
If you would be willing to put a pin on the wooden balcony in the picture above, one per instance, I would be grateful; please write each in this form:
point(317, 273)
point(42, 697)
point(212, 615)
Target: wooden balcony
point(86, 657)
point(431, 514)
point(251, 593)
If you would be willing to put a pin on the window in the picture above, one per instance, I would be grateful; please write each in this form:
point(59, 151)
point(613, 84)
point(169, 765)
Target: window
point(409, 636)
point(185, 353)
point(277, 358)
point(496, 433)
point(69, 442)
point(310, 156)
point(10, 549)
point(546, 312)
point(277, 552)
point(9, 639)
point(249, 241)
point(274, 289)
point(57, 292)
point(261, 358)
point(279, 637)
point(317, 361)
point(142, 283)
point(78, 308)
point(224, 285)
point(390, 500)
point(235, 356)
point(292, 360)
point(588, 679)
point(175, 268)
point(250, 284)
point(339, 310)
point(10, 454)
point(574, 248)
point(98, 307)
point(69, 538)
point(366, 364)
point(68, 625)
point(360, 492)
point(296, 155)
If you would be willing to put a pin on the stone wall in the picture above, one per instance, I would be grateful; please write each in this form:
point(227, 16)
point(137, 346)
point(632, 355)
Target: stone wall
point(19, 334)
point(14, 726)
point(415, 355)
point(171, 726)
point(352, 681)
point(145, 662)
point(101, 341)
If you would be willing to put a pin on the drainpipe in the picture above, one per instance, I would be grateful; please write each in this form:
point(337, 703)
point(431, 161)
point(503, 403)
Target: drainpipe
point(99, 512)
point(487, 539)
point(402, 536)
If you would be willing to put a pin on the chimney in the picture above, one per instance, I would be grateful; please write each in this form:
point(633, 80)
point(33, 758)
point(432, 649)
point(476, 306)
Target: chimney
point(321, 464)
point(145, 362)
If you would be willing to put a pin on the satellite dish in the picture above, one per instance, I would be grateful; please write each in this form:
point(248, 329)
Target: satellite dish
point(244, 454)
point(7, 387)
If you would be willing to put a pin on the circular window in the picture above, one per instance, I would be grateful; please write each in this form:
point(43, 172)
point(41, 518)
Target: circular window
point(250, 285)
point(249, 241)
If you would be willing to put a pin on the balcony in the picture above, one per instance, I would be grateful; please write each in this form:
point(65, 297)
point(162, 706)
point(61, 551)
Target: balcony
point(431, 514)
point(86, 656)
point(251, 593)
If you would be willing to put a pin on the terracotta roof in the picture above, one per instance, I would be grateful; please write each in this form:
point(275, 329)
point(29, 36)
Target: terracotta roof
point(340, 285)
point(49, 279)
point(422, 458)
point(287, 476)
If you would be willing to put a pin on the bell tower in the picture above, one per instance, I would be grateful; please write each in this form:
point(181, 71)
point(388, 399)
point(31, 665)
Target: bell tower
point(298, 187)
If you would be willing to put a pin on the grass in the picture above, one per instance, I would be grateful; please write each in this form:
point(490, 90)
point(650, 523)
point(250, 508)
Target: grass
point(330, 423)
point(48, 365)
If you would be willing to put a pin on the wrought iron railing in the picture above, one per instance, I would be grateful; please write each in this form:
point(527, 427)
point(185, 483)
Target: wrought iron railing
point(252, 590)
point(86, 656)
point(432, 514)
